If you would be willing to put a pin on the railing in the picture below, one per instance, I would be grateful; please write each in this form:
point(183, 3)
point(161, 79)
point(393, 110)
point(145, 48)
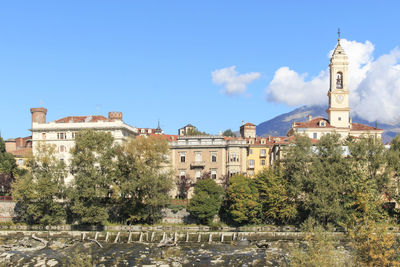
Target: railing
point(197, 164)
point(6, 198)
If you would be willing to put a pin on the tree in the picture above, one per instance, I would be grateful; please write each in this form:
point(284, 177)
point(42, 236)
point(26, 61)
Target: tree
point(277, 206)
point(242, 200)
point(374, 244)
point(184, 183)
point(229, 133)
point(296, 166)
point(393, 162)
point(7, 161)
point(40, 192)
point(144, 179)
point(206, 201)
point(369, 181)
point(194, 131)
point(324, 185)
point(93, 167)
point(8, 169)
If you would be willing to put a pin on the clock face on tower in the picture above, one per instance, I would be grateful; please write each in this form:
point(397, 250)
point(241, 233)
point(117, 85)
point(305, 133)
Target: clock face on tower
point(339, 98)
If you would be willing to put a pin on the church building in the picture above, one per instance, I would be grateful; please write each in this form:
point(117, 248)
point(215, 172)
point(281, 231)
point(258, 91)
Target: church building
point(339, 120)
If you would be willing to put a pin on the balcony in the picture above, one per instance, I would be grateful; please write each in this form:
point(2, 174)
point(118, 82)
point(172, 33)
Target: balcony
point(197, 164)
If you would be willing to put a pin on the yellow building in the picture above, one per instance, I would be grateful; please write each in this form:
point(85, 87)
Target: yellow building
point(258, 155)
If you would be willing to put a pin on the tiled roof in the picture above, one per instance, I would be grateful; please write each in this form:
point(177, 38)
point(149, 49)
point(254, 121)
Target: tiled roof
point(76, 119)
point(363, 127)
point(168, 137)
point(314, 123)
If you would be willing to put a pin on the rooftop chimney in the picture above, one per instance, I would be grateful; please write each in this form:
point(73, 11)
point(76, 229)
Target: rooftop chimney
point(115, 115)
point(38, 115)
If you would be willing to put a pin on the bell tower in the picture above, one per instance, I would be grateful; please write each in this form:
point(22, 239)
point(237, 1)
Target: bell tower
point(339, 110)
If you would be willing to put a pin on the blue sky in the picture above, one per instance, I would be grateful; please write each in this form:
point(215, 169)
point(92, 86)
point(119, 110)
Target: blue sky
point(153, 60)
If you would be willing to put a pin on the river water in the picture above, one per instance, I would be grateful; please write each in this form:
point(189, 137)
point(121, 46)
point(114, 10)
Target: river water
point(25, 252)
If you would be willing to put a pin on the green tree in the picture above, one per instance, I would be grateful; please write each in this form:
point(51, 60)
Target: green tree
point(393, 163)
point(206, 201)
point(40, 192)
point(325, 182)
point(369, 181)
point(8, 169)
point(144, 179)
point(277, 206)
point(7, 161)
point(296, 166)
point(93, 167)
point(229, 133)
point(194, 131)
point(242, 200)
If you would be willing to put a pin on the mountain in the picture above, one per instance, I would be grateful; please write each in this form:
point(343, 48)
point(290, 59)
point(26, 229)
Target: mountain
point(280, 125)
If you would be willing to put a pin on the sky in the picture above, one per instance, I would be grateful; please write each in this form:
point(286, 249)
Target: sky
point(210, 63)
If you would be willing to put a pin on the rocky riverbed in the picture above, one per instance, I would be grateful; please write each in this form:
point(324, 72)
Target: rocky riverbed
point(29, 251)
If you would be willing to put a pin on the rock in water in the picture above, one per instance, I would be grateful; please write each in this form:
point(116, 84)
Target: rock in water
point(262, 244)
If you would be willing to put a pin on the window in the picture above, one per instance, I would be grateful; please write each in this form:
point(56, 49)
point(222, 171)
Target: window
point(198, 156)
point(263, 162)
point(214, 157)
point(214, 174)
point(250, 151)
point(251, 162)
point(234, 157)
point(315, 135)
point(339, 80)
point(183, 157)
point(43, 136)
point(61, 136)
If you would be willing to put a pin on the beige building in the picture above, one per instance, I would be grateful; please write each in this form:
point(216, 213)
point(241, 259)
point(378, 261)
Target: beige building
point(339, 120)
point(221, 157)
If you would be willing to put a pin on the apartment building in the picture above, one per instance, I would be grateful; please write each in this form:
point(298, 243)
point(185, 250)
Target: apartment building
point(221, 157)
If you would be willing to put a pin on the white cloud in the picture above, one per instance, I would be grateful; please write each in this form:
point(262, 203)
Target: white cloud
point(374, 84)
point(232, 81)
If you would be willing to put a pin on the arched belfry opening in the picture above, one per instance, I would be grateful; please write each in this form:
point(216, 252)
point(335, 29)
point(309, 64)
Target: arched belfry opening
point(339, 80)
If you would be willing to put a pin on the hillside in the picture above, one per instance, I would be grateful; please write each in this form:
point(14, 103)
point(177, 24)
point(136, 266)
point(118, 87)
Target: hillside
point(280, 125)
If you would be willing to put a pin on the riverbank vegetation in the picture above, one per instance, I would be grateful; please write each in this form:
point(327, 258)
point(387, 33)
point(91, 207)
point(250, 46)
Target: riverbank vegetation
point(351, 185)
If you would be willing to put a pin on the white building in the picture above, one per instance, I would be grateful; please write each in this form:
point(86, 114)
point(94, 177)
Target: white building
point(61, 133)
point(339, 120)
